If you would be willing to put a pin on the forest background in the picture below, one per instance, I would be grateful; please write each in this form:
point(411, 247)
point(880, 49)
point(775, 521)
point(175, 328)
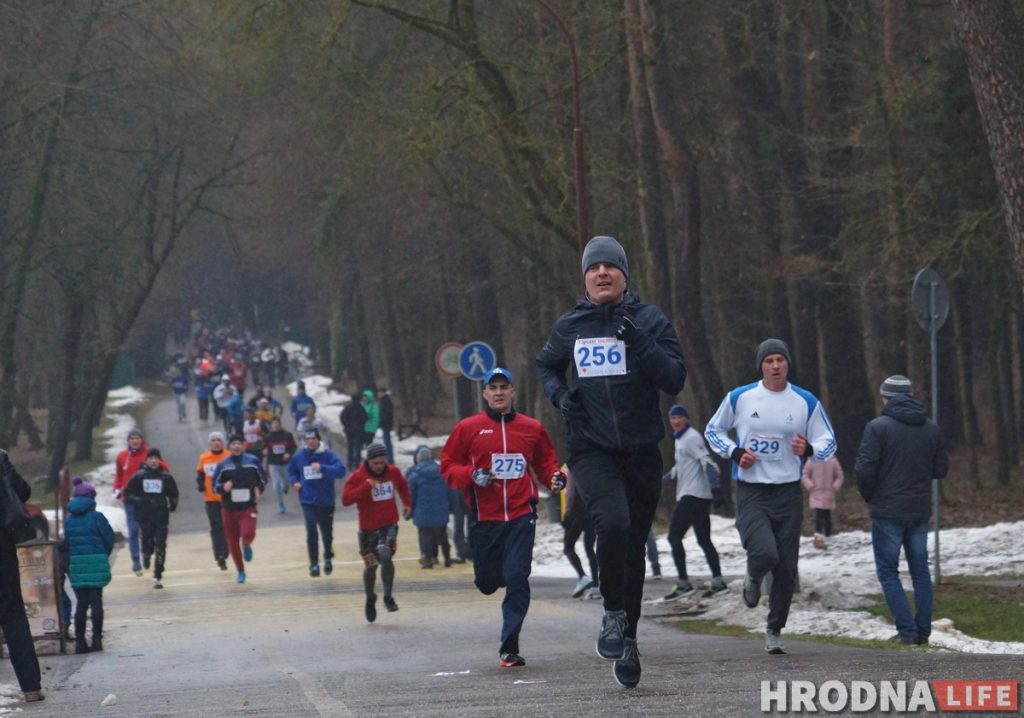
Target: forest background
point(378, 178)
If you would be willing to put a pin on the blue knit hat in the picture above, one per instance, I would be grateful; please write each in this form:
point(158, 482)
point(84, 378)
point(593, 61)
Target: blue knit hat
point(678, 410)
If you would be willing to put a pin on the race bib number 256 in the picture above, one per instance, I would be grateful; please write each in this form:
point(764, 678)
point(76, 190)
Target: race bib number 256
point(599, 356)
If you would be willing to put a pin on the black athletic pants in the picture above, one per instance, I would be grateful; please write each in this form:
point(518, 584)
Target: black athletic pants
point(621, 490)
point(692, 511)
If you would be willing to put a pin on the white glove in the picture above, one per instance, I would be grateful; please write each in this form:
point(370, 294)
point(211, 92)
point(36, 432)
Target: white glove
point(483, 478)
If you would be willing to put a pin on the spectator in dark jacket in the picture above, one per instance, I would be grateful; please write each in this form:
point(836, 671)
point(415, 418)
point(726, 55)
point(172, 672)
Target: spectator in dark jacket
point(353, 419)
point(429, 494)
point(900, 454)
point(13, 619)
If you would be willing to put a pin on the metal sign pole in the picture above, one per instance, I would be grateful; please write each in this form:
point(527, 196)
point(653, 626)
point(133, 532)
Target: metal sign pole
point(934, 331)
point(455, 399)
point(479, 395)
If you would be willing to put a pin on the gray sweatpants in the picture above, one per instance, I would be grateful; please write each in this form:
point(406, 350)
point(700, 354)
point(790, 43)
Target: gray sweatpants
point(768, 518)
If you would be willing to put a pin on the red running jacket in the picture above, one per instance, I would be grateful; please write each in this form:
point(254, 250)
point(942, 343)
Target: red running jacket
point(513, 446)
point(376, 505)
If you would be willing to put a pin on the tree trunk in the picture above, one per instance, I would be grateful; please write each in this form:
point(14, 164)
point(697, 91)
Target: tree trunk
point(648, 175)
point(991, 39)
point(680, 170)
point(74, 310)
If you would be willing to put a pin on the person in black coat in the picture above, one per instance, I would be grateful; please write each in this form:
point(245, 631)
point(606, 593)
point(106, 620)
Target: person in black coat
point(900, 454)
point(353, 419)
point(13, 619)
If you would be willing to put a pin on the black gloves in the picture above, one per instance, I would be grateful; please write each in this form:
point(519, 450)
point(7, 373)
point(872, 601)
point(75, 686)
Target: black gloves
point(572, 408)
point(625, 326)
point(558, 481)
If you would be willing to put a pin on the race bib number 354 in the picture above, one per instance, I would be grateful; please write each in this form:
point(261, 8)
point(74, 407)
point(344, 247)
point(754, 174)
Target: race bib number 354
point(383, 492)
point(599, 356)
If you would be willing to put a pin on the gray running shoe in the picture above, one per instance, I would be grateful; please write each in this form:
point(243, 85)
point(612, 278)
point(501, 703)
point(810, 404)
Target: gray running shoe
point(611, 640)
point(751, 591)
point(773, 642)
point(594, 594)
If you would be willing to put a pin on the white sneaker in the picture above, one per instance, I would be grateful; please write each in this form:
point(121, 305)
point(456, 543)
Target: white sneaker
point(582, 585)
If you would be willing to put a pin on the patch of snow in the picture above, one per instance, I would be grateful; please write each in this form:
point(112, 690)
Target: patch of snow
point(834, 583)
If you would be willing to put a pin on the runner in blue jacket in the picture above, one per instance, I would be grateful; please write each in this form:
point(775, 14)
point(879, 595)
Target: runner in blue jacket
point(312, 472)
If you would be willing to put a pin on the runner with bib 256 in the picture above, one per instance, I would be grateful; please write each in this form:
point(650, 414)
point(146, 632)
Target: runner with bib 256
point(620, 354)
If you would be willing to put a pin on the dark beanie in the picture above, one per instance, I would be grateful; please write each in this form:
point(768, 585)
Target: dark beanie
point(771, 346)
point(607, 250)
point(154, 452)
point(375, 450)
point(678, 410)
point(896, 384)
point(311, 434)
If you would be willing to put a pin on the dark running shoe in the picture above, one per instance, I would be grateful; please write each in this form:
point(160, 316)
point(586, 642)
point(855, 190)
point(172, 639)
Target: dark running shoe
point(509, 660)
point(314, 570)
point(611, 641)
point(328, 567)
point(627, 669)
point(371, 607)
point(222, 563)
point(682, 588)
point(146, 561)
point(716, 586)
point(751, 591)
point(389, 603)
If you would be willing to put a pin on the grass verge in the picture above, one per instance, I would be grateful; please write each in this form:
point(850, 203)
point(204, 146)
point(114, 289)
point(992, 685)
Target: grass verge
point(990, 611)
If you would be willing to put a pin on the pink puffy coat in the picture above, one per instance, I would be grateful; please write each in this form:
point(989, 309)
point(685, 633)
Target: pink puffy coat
point(823, 479)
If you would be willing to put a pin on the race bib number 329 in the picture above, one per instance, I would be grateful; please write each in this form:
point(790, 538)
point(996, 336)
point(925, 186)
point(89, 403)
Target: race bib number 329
point(599, 356)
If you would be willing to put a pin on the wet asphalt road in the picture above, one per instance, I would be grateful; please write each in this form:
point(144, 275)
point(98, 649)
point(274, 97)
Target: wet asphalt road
point(285, 644)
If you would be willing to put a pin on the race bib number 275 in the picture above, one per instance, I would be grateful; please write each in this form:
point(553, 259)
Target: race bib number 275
point(599, 356)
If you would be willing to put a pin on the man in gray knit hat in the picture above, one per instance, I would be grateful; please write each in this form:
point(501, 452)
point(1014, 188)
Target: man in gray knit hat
point(900, 454)
point(777, 427)
point(605, 366)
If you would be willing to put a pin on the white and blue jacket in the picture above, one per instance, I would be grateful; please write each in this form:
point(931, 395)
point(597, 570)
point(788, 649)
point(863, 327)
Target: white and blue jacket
point(765, 422)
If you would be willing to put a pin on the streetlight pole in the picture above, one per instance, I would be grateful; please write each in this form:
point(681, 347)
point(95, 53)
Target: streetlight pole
point(577, 130)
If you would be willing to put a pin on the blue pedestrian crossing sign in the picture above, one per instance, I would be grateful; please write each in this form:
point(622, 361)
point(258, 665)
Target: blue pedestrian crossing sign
point(476, 359)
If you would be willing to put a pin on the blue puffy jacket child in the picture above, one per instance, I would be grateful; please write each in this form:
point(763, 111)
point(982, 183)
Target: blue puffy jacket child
point(90, 541)
point(429, 507)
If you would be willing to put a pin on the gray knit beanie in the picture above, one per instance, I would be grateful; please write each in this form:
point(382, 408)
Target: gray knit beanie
point(771, 346)
point(375, 450)
point(607, 250)
point(896, 384)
